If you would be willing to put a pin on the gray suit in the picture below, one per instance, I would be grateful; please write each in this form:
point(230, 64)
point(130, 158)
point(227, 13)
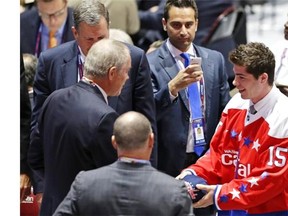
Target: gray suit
point(173, 116)
point(126, 189)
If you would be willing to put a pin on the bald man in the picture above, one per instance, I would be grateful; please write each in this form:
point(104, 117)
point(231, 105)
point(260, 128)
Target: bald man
point(130, 186)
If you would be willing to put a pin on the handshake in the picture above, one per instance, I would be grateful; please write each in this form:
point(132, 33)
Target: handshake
point(191, 181)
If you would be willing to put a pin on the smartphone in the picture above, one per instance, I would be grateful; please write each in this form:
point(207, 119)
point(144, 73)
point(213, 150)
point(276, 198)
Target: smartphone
point(196, 60)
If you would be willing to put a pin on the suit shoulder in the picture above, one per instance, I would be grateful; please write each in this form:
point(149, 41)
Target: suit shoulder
point(167, 178)
point(154, 55)
point(28, 15)
point(134, 49)
point(59, 51)
point(207, 50)
point(70, 15)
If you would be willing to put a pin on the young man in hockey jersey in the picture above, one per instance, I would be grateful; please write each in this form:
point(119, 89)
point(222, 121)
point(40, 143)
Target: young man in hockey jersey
point(246, 169)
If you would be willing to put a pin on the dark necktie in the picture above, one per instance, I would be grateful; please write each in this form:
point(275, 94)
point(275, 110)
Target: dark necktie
point(194, 101)
point(252, 110)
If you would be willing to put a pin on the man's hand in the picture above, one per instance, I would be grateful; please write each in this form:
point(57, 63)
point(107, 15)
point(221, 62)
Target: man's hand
point(25, 186)
point(185, 77)
point(206, 200)
point(39, 199)
point(183, 174)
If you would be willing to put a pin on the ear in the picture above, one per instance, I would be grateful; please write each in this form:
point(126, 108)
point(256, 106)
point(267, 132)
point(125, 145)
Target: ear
point(151, 140)
point(112, 72)
point(196, 25)
point(263, 78)
point(113, 141)
point(164, 24)
point(75, 33)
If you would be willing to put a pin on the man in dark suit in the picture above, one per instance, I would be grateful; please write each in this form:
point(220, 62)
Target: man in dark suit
point(61, 67)
point(130, 186)
point(170, 79)
point(25, 116)
point(36, 24)
point(75, 124)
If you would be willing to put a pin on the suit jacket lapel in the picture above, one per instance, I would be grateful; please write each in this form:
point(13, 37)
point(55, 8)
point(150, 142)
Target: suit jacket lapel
point(208, 74)
point(69, 68)
point(171, 68)
point(35, 26)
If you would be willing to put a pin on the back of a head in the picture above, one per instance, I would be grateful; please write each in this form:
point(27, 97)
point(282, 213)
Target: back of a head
point(30, 64)
point(103, 55)
point(131, 130)
point(120, 35)
point(256, 57)
point(90, 12)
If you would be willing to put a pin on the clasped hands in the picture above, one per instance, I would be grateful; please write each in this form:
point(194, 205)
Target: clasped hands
point(207, 199)
point(185, 77)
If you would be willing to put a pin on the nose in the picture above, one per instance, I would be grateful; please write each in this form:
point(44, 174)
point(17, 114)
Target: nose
point(234, 82)
point(183, 30)
point(52, 19)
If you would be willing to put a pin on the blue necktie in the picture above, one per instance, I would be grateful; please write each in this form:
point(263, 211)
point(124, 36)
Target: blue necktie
point(194, 101)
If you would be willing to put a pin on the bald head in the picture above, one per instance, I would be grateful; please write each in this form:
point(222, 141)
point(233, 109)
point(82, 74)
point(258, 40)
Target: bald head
point(132, 131)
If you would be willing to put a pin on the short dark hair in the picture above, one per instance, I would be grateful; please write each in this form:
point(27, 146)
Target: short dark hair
point(180, 4)
point(90, 12)
point(256, 57)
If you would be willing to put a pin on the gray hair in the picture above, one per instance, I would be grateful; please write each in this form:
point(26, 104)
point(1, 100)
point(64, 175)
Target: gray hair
point(30, 64)
point(90, 12)
point(131, 130)
point(120, 35)
point(103, 55)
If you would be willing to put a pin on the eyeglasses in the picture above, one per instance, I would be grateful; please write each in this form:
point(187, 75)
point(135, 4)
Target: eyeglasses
point(54, 15)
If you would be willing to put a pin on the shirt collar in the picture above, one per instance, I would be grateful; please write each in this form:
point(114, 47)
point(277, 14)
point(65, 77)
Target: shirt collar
point(176, 52)
point(270, 98)
point(82, 56)
point(58, 33)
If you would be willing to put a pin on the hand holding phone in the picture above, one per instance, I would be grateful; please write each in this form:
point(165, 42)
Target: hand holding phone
point(196, 60)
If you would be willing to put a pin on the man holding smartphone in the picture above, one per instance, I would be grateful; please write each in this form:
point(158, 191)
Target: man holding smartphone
point(176, 66)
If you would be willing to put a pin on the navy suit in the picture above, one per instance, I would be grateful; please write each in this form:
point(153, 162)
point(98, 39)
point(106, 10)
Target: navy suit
point(57, 68)
point(126, 189)
point(30, 22)
point(173, 116)
point(74, 128)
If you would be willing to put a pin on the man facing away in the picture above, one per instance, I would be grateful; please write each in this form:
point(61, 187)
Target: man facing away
point(62, 67)
point(76, 123)
point(130, 186)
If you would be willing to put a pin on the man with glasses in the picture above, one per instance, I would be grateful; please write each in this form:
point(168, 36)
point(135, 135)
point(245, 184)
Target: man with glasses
point(45, 26)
